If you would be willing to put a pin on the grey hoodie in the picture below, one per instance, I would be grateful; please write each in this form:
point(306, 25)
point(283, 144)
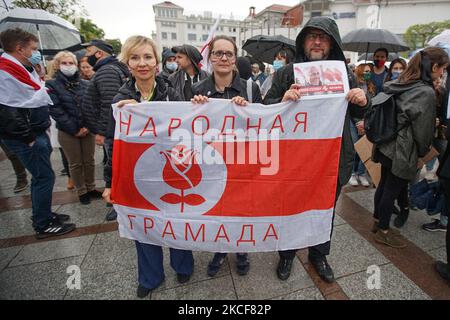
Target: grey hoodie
point(416, 103)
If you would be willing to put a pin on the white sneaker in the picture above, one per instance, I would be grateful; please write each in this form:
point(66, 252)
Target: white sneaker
point(354, 181)
point(364, 182)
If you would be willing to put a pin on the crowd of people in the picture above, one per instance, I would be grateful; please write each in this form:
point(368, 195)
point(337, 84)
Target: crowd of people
point(78, 91)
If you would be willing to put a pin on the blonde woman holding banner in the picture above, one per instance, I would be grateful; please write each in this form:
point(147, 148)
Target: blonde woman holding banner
point(140, 55)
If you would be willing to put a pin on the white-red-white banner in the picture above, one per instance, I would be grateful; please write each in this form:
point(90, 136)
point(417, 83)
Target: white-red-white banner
point(222, 178)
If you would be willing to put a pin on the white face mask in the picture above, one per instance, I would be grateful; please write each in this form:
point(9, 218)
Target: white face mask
point(69, 71)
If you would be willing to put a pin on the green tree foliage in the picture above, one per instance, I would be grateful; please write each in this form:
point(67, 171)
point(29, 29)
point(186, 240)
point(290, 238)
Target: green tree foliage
point(117, 45)
point(63, 8)
point(89, 30)
point(418, 35)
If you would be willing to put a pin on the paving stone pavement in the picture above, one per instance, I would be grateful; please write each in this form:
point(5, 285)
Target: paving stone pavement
point(107, 263)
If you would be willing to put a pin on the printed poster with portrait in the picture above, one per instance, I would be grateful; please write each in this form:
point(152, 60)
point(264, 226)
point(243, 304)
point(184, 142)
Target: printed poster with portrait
point(322, 79)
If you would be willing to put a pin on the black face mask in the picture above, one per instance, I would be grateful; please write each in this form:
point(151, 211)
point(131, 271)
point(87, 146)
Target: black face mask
point(92, 60)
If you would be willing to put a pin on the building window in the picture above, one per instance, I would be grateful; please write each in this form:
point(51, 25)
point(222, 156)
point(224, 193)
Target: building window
point(316, 14)
point(205, 37)
point(230, 29)
point(164, 35)
point(192, 37)
point(174, 36)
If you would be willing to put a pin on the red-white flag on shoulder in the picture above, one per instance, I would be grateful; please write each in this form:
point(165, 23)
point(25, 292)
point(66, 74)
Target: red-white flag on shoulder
point(204, 64)
point(20, 88)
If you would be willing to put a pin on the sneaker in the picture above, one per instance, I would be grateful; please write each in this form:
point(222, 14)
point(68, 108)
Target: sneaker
point(85, 199)
point(21, 185)
point(242, 264)
point(434, 226)
point(401, 218)
point(389, 239)
point(142, 292)
point(215, 264)
point(95, 194)
point(61, 218)
point(183, 278)
point(354, 181)
point(364, 182)
point(64, 172)
point(111, 216)
point(54, 229)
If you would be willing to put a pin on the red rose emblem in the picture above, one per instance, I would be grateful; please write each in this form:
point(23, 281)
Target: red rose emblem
point(183, 173)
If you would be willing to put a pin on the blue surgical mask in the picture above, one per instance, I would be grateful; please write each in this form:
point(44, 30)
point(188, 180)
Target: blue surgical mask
point(278, 64)
point(172, 66)
point(395, 75)
point(35, 58)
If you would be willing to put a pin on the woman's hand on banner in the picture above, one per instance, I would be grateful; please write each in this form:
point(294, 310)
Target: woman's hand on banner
point(240, 101)
point(199, 99)
point(293, 94)
point(122, 103)
point(357, 96)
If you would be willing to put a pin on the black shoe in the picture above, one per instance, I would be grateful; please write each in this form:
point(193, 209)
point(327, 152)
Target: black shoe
point(142, 292)
point(284, 268)
point(111, 216)
point(434, 226)
point(401, 219)
point(396, 210)
point(61, 218)
point(242, 264)
point(54, 229)
point(322, 268)
point(95, 194)
point(444, 270)
point(64, 172)
point(85, 199)
point(183, 278)
point(215, 264)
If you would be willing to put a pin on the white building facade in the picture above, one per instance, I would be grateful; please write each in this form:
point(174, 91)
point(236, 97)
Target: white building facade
point(173, 27)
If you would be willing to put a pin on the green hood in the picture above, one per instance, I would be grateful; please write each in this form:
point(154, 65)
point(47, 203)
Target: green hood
point(328, 26)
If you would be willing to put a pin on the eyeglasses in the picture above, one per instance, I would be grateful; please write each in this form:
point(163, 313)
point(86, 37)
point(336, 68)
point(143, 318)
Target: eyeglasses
point(219, 54)
point(314, 36)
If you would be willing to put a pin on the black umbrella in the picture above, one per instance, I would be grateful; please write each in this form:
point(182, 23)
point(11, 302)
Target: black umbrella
point(54, 33)
point(264, 48)
point(369, 40)
point(365, 56)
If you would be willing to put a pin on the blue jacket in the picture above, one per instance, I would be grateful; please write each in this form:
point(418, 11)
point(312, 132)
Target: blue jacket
point(67, 95)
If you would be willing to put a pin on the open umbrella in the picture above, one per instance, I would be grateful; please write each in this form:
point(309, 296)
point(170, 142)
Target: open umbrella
point(54, 33)
point(264, 48)
point(442, 38)
point(365, 56)
point(369, 40)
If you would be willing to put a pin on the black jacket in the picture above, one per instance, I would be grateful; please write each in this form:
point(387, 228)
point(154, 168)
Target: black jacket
point(284, 78)
point(207, 88)
point(110, 75)
point(128, 91)
point(67, 95)
point(178, 81)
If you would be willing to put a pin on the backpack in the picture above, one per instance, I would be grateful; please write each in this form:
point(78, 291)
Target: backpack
point(380, 122)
